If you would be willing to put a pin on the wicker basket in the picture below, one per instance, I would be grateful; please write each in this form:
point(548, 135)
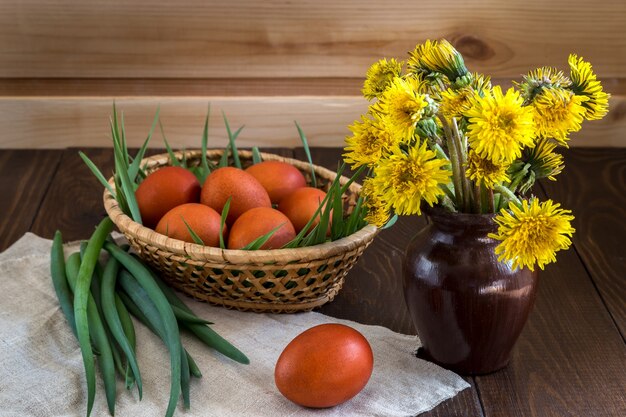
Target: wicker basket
point(277, 281)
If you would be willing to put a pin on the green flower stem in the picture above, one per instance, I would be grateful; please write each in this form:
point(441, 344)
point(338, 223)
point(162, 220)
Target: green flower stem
point(448, 192)
point(508, 194)
point(454, 160)
point(518, 177)
point(462, 154)
point(477, 206)
point(490, 201)
point(497, 199)
point(440, 152)
point(438, 141)
point(486, 200)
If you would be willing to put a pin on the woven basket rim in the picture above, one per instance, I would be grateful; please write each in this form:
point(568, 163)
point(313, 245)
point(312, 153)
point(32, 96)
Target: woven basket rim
point(198, 252)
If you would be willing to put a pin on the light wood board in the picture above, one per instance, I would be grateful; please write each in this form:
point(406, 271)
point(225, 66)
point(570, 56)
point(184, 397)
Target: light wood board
point(58, 122)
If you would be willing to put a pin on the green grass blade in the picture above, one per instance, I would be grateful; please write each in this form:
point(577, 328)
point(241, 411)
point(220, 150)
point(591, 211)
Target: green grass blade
point(231, 141)
point(173, 160)
point(204, 163)
point(115, 126)
point(121, 199)
point(223, 217)
point(183, 161)
point(260, 241)
point(133, 169)
point(298, 241)
point(97, 173)
point(356, 218)
point(256, 155)
point(123, 141)
point(337, 223)
point(198, 173)
point(193, 234)
point(127, 188)
point(324, 222)
point(352, 179)
point(390, 222)
point(224, 158)
point(307, 151)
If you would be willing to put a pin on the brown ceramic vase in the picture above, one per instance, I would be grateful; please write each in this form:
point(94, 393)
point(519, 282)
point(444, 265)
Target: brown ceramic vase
point(468, 308)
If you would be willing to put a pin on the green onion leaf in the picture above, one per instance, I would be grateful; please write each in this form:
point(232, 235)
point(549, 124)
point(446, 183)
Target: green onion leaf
point(307, 151)
point(390, 222)
point(133, 169)
point(173, 160)
point(260, 241)
point(97, 173)
point(193, 234)
point(206, 170)
point(231, 140)
point(225, 210)
point(256, 155)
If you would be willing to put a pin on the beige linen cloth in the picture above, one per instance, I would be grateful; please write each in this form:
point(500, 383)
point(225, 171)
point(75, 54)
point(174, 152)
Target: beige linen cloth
point(41, 370)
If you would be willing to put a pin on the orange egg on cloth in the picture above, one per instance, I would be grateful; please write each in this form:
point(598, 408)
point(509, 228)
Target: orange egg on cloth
point(257, 222)
point(243, 189)
point(278, 178)
point(203, 220)
point(163, 190)
point(324, 366)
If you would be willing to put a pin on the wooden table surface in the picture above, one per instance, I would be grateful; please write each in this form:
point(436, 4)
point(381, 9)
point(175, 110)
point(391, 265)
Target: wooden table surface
point(571, 357)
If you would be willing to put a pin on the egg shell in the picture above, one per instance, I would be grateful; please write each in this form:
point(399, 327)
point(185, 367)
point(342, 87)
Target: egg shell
point(203, 220)
point(300, 205)
point(278, 178)
point(257, 222)
point(324, 366)
point(229, 182)
point(164, 189)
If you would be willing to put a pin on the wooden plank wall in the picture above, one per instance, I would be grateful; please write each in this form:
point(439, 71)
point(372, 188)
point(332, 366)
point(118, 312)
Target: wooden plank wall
point(265, 64)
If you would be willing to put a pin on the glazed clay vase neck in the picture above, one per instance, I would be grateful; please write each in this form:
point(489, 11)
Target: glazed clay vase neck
point(468, 308)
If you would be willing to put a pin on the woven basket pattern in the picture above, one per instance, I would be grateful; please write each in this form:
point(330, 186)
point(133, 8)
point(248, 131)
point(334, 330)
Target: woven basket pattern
point(278, 281)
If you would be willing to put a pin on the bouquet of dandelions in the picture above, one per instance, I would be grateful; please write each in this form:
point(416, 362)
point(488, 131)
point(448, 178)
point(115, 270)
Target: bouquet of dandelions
point(438, 134)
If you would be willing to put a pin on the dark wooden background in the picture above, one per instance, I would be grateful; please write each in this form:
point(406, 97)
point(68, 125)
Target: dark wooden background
point(570, 360)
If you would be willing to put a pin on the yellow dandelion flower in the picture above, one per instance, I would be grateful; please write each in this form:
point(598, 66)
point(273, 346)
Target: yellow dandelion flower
point(584, 83)
point(377, 211)
point(545, 163)
point(499, 126)
point(538, 162)
point(402, 106)
point(437, 56)
point(368, 143)
point(548, 76)
point(542, 77)
point(484, 171)
point(456, 101)
point(557, 113)
point(533, 233)
point(427, 83)
point(403, 180)
point(379, 77)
